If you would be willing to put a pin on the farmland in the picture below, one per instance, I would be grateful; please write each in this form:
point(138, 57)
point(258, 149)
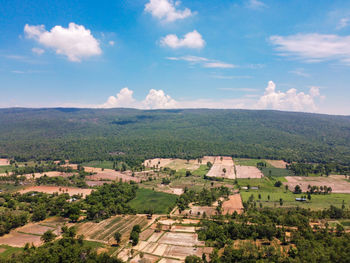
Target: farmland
point(148, 200)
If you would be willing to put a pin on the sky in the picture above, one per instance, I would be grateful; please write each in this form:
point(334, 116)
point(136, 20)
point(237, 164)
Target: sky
point(153, 54)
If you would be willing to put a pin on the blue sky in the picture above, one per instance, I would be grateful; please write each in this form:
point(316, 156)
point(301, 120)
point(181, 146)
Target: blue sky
point(288, 55)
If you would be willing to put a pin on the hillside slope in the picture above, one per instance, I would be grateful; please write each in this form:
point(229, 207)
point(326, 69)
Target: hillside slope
point(86, 134)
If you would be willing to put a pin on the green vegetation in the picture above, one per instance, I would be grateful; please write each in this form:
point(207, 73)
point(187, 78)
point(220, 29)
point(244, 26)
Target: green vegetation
point(8, 251)
point(83, 135)
point(99, 164)
point(149, 201)
point(270, 195)
point(276, 172)
point(250, 162)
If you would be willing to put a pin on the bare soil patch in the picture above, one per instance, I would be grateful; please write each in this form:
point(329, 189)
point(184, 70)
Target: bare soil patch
point(181, 239)
point(15, 239)
point(48, 174)
point(337, 182)
point(277, 163)
point(248, 172)
point(56, 189)
point(109, 174)
point(233, 204)
point(175, 164)
point(97, 183)
point(4, 162)
point(223, 167)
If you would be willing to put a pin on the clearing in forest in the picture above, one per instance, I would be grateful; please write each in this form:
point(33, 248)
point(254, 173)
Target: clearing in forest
point(277, 163)
point(222, 167)
point(56, 189)
point(4, 162)
point(175, 164)
point(109, 174)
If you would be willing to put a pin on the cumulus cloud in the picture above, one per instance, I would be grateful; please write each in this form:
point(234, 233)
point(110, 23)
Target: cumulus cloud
point(166, 10)
point(155, 99)
point(190, 40)
point(124, 99)
point(205, 62)
point(38, 51)
point(314, 47)
point(289, 100)
point(76, 42)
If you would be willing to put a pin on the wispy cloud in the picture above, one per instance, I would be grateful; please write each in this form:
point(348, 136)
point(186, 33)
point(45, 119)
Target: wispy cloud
point(239, 89)
point(255, 4)
point(204, 62)
point(344, 22)
point(215, 76)
point(314, 47)
point(300, 72)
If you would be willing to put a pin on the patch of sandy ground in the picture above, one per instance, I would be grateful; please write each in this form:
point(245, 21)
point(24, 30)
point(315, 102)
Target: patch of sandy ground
point(337, 182)
point(4, 162)
point(221, 163)
point(248, 172)
point(56, 189)
point(30, 233)
point(277, 163)
point(174, 164)
point(109, 174)
point(233, 204)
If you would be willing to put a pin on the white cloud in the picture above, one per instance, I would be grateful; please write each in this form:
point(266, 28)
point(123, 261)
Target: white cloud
point(38, 51)
point(205, 62)
point(75, 42)
point(165, 10)
point(218, 65)
point(157, 99)
point(344, 22)
point(300, 72)
point(255, 4)
point(289, 100)
point(314, 47)
point(190, 40)
point(123, 99)
point(111, 43)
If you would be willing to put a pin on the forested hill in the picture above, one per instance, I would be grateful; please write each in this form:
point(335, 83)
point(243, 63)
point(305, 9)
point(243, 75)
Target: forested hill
point(86, 134)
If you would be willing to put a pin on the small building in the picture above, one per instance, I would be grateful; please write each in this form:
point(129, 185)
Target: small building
point(301, 199)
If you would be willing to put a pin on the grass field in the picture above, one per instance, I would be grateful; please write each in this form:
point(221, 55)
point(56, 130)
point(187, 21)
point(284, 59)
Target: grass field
point(276, 172)
point(7, 251)
point(99, 164)
point(267, 188)
point(5, 168)
point(146, 199)
point(250, 162)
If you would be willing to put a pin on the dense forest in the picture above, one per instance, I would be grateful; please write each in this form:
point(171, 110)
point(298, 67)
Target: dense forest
point(103, 134)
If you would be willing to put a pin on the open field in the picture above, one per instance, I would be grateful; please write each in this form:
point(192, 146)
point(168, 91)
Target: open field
point(158, 202)
point(31, 232)
point(233, 204)
point(248, 172)
point(175, 164)
point(337, 182)
point(250, 162)
point(277, 163)
point(56, 189)
point(222, 163)
point(276, 172)
point(4, 162)
point(267, 189)
point(109, 174)
point(198, 211)
point(172, 245)
point(104, 230)
point(99, 164)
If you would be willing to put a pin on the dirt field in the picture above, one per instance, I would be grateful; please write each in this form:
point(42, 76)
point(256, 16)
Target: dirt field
point(175, 164)
point(109, 174)
point(198, 211)
point(277, 163)
point(221, 163)
point(104, 230)
point(30, 233)
point(56, 189)
point(49, 174)
point(173, 246)
point(337, 182)
point(4, 162)
point(97, 183)
point(233, 204)
point(248, 172)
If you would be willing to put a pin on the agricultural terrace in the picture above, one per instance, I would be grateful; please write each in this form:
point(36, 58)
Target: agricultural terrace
point(222, 167)
point(56, 189)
